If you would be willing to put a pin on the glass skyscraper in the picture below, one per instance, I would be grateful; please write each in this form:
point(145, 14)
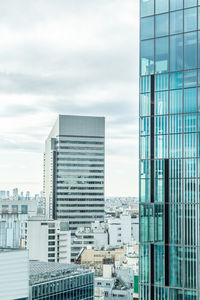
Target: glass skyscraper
point(169, 149)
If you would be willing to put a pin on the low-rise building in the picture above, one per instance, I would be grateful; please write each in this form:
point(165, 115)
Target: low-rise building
point(60, 281)
point(48, 240)
point(95, 236)
point(93, 258)
point(14, 274)
point(122, 230)
point(13, 214)
point(113, 285)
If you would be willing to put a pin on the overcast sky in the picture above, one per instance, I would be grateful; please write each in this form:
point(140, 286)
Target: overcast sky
point(74, 57)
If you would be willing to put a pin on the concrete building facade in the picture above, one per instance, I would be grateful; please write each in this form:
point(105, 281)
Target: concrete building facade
point(74, 170)
point(48, 241)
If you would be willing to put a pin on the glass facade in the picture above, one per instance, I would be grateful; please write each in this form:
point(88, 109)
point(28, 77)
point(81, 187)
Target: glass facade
point(74, 287)
point(169, 149)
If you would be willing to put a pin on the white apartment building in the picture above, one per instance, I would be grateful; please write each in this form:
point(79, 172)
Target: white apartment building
point(14, 274)
point(48, 241)
point(95, 236)
point(74, 170)
point(13, 214)
point(123, 230)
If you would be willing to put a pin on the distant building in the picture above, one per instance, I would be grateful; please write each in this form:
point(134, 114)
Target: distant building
point(60, 281)
point(93, 259)
point(15, 193)
point(74, 170)
point(122, 230)
point(48, 241)
point(14, 274)
point(114, 286)
point(95, 236)
point(13, 214)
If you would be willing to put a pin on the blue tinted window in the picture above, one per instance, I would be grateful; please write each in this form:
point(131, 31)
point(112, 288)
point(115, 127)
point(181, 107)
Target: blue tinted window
point(190, 100)
point(162, 25)
point(161, 52)
point(198, 99)
point(145, 169)
point(147, 57)
point(176, 22)
point(176, 123)
point(176, 52)
point(145, 84)
point(161, 125)
point(176, 101)
point(162, 6)
point(190, 3)
point(176, 145)
point(161, 103)
point(198, 18)
point(144, 126)
point(146, 7)
point(190, 122)
point(145, 104)
point(144, 147)
point(178, 4)
point(176, 80)
point(190, 19)
point(145, 190)
point(161, 82)
point(147, 28)
point(190, 144)
point(161, 146)
point(190, 78)
point(199, 48)
point(198, 77)
point(190, 47)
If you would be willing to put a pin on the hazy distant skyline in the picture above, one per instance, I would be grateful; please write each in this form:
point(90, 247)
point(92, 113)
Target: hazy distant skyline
point(68, 57)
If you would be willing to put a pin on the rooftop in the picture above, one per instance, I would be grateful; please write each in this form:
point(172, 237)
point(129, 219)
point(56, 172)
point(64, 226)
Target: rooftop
point(46, 271)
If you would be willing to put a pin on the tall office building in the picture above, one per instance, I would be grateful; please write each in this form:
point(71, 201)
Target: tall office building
point(74, 170)
point(169, 149)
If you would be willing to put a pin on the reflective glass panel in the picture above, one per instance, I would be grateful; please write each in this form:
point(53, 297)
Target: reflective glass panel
point(176, 294)
point(162, 6)
point(161, 103)
point(145, 84)
point(190, 123)
point(146, 7)
point(190, 78)
point(161, 55)
point(144, 190)
point(144, 263)
point(190, 3)
point(144, 126)
point(176, 101)
point(176, 123)
point(176, 21)
point(145, 104)
point(161, 125)
point(175, 145)
point(190, 46)
point(145, 169)
point(161, 146)
point(159, 265)
point(176, 273)
point(178, 4)
point(147, 57)
point(176, 80)
point(161, 82)
point(190, 101)
point(190, 144)
point(162, 25)
point(147, 28)
point(190, 19)
point(176, 52)
point(176, 222)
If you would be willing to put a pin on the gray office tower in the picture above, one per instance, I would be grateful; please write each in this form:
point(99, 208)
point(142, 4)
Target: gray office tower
point(74, 170)
point(169, 150)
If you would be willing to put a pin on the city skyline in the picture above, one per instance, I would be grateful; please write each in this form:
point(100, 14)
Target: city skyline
point(62, 69)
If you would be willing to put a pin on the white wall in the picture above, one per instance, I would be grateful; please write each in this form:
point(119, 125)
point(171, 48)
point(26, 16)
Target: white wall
point(14, 274)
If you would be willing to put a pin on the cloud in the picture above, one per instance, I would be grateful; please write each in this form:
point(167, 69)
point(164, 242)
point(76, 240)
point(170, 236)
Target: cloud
point(73, 57)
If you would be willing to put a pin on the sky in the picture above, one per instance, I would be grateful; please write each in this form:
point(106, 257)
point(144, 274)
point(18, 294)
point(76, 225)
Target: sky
point(68, 57)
